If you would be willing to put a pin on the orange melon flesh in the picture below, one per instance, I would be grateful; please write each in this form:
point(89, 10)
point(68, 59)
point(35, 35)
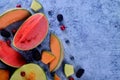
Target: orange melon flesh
point(56, 77)
point(47, 57)
point(9, 56)
point(57, 50)
point(12, 16)
point(4, 74)
point(32, 32)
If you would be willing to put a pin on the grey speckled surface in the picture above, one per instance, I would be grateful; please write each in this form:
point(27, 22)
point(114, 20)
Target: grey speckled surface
point(93, 28)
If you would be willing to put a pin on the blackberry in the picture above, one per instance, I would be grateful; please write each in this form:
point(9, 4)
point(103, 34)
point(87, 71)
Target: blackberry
point(79, 73)
point(5, 33)
point(36, 55)
point(60, 17)
point(52, 74)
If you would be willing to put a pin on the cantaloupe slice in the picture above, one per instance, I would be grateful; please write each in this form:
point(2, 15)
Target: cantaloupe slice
point(56, 77)
point(9, 56)
point(32, 32)
point(12, 16)
point(58, 51)
point(4, 74)
point(47, 57)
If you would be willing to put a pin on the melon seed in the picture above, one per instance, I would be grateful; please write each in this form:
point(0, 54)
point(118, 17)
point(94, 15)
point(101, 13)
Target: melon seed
point(79, 73)
point(5, 33)
point(22, 73)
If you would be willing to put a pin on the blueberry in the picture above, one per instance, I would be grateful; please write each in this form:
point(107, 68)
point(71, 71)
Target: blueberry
point(5, 33)
point(50, 12)
point(60, 17)
point(36, 55)
point(67, 41)
point(72, 57)
point(80, 72)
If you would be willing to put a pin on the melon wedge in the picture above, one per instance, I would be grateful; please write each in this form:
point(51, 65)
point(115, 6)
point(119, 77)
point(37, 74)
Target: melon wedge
point(29, 72)
point(35, 6)
point(12, 16)
point(47, 57)
point(58, 51)
point(32, 32)
point(4, 74)
point(68, 70)
point(9, 56)
point(56, 77)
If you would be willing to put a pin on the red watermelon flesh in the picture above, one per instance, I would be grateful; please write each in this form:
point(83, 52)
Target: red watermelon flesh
point(32, 32)
point(9, 56)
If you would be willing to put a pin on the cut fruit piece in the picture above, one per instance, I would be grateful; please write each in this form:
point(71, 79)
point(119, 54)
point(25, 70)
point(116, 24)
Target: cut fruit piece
point(56, 77)
point(29, 72)
point(4, 74)
point(32, 32)
point(47, 57)
point(36, 6)
point(68, 70)
point(12, 16)
point(9, 56)
point(58, 51)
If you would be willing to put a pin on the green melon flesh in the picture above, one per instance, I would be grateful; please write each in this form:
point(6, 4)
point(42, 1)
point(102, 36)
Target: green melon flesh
point(9, 56)
point(31, 72)
point(32, 32)
point(69, 70)
point(35, 6)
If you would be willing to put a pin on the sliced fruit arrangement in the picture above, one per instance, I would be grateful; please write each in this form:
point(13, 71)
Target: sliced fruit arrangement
point(68, 70)
point(32, 32)
point(4, 74)
point(57, 50)
point(47, 57)
point(36, 6)
point(29, 72)
point(56, 77)
point(12, 16)
point(9, 56)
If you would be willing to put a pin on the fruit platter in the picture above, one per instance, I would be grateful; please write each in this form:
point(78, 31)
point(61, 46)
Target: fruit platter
point(58, 40)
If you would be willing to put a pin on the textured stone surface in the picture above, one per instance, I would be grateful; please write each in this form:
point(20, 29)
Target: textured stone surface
point(93, 29)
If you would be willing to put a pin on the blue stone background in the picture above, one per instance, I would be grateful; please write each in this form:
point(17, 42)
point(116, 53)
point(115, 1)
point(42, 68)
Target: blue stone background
point(93, 29)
